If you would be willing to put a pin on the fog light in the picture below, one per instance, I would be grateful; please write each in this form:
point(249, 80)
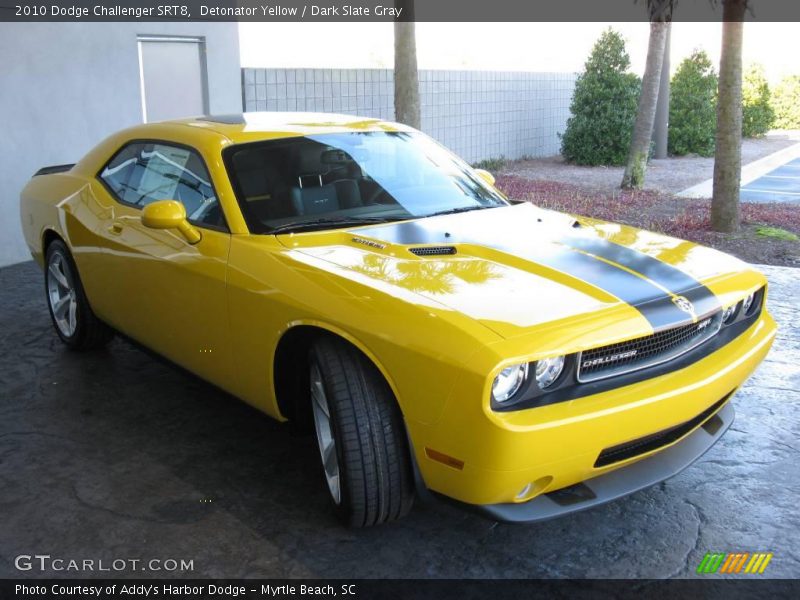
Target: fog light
point(524, 491)
point(533, 489)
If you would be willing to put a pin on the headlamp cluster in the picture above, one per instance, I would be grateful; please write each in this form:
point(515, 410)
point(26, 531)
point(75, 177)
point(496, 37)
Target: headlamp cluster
point(511, 379)
point(556, 376)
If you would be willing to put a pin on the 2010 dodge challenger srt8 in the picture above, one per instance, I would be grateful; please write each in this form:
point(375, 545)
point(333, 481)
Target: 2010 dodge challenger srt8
point(354, 277)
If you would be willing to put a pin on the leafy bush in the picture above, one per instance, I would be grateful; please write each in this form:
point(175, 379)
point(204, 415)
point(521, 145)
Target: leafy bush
point(603, 106)
point(693, 107)
point(757, 114)
point(786, 103)
point(491, 164)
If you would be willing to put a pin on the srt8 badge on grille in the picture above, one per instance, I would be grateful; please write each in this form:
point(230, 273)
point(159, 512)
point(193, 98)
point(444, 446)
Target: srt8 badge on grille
point(703, 324)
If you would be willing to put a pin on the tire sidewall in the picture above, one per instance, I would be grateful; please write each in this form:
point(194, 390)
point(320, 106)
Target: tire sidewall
point(343, 508)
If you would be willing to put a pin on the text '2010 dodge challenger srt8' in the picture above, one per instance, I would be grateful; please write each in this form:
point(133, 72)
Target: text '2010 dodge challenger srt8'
point(353, 276)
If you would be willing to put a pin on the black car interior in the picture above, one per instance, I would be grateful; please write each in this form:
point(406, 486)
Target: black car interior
point(282, 181)
point(351, 176)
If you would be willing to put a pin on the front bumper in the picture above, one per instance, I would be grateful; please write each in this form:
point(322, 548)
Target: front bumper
point(557, 447)
point(619, 483)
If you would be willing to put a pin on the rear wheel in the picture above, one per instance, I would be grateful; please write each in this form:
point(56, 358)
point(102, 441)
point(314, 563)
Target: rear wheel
point(73, 319)
point(360, 435)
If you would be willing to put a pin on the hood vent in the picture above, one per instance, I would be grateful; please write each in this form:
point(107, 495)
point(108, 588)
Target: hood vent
point(433, 250)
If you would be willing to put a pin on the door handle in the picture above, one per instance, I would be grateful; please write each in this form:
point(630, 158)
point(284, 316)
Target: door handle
point(115, 228)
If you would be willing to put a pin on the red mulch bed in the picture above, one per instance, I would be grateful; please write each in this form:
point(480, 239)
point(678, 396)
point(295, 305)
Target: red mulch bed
point(678, 217)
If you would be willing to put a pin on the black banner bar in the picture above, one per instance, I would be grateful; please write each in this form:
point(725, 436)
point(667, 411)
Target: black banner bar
point(401, 589)
point(377, 11)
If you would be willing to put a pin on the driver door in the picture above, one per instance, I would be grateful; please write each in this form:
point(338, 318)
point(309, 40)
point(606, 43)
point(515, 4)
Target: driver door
point(156, 287)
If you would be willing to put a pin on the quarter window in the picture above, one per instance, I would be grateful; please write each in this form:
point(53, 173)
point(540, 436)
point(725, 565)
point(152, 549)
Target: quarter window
point(144, 172)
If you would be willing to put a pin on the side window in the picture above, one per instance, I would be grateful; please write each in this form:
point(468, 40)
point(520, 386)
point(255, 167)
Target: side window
point(144, 172)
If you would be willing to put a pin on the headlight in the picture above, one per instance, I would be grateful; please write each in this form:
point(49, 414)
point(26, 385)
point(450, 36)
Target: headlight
point(728, 314)
point(548, 370)
point(748, 302)
point(508, 382)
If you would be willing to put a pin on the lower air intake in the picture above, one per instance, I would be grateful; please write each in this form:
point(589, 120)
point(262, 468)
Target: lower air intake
point(657, 440)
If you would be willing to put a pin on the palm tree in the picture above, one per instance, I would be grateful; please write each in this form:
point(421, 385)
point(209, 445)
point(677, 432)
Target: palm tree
point(728, 155)
point(406, 85)
point(660, 17)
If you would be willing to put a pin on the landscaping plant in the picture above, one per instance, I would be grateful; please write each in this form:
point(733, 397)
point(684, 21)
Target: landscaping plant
point(758, 115)
point(786, 103)
point(693, 106)
point(603, 106)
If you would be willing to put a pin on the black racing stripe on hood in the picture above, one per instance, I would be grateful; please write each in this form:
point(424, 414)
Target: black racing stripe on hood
point(663, 274)
point(650, 300)
point(588, 264)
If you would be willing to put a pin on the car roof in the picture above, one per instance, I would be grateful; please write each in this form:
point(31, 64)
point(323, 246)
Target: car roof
point(216, 131)
point(252, 126)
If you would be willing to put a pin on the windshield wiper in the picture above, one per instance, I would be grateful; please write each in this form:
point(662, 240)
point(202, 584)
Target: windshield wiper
point(460, 209)
point(331, 223)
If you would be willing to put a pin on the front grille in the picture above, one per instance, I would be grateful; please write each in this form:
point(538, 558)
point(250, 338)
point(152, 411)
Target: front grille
point(433, 250)
point(657, 440)
point(624, 357)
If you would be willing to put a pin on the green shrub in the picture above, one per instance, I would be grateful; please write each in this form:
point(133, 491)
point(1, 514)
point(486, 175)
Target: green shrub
point(777, 233)
point(757, 114)
point(603, 106)
point(491, 164)
point(786, 103)
point(693, 107)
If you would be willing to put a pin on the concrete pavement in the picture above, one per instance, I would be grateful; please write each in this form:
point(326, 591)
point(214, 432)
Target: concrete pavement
point(117, 455)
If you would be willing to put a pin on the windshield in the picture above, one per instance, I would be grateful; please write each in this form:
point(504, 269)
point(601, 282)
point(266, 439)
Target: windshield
point(340, 179)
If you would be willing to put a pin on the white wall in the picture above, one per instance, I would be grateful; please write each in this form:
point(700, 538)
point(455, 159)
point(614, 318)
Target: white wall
point(477, 114)
point(66, 86)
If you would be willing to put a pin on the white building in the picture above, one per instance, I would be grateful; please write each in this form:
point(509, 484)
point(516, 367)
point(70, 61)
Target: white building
point(66, 86)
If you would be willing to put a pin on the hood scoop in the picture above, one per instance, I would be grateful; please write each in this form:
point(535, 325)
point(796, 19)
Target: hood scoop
point(433, 250)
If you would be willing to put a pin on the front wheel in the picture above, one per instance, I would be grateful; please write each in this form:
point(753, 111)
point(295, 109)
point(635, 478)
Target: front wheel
point(73, 319)
point(360, 435)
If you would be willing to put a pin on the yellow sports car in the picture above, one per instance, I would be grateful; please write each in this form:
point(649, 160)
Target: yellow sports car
point(354, 277)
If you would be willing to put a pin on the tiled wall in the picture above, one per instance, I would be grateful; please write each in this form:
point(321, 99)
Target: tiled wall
point(477, 114)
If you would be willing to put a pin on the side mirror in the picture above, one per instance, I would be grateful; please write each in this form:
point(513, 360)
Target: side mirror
point(486, 176)
point(170, 214)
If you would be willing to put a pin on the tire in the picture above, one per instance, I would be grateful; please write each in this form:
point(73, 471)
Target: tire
point(72, 317)
point(371, 481)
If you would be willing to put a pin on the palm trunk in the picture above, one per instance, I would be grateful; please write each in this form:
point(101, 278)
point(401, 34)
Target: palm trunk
point(648, 101)
point(661, 126)
point(728, 155)
point(406, 85)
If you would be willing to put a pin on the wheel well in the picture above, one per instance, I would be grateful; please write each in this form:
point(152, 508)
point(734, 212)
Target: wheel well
point(48, 237)
point(290, 371)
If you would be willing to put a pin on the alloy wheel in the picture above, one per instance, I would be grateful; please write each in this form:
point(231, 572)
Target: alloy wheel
point(325, 439)
point(62, 295)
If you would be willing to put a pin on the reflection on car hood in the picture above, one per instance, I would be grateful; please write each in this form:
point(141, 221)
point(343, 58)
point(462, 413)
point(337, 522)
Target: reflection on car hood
point(512, 268)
